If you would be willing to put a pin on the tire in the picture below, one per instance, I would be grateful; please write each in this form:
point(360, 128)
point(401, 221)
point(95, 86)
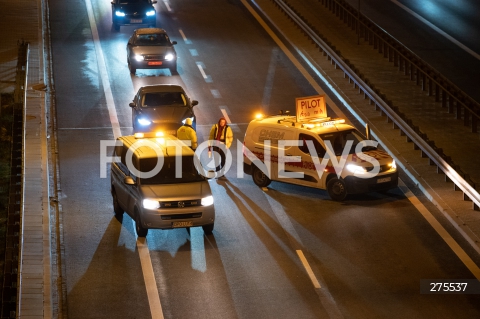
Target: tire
point(259, 178)
point(208, 229)
point(117, 209)
point(132, 69)
point(173, 69)
point(337, 189)
point(141, 232)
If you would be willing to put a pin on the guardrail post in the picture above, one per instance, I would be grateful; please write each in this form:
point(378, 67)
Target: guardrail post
point(451, 104)
point(458, 109)
point(474, 123)
point(466, 116)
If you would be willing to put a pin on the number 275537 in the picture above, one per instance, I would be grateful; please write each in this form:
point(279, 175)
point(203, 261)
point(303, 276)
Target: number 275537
point(448, 286)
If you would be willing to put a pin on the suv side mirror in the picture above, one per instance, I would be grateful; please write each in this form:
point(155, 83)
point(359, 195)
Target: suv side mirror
point(194, 102)
point(154, 1)
point(132, 104)
point(129, 180)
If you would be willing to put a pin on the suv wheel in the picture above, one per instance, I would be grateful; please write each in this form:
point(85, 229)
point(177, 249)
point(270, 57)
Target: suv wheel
point(141, 232)
point(337, 189)
point(117, 209)
point(259, 178)
point(208, 229)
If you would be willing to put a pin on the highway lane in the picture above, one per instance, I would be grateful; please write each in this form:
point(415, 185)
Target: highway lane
point(368, 253)
point(442, 33)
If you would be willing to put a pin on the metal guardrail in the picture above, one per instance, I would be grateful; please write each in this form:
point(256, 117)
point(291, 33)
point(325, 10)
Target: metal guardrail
point(411, 134)
point(453, 98)
point(10, 279)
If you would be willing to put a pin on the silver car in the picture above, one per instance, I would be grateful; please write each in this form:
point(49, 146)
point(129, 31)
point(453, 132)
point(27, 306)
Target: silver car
point(161, 107)
point(151, 48)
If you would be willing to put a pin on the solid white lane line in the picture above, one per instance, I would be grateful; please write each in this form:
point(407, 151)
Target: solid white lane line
point(102, 68)
point(454, 246)
point(225, 115)
point(149, 278)
point(146, 262)
point(167, 5)
point(200, 67)
point(307, 267)
point(446, 35)
point(184, 37)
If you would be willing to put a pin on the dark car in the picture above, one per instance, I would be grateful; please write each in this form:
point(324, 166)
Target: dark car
point(151, 48)
point(163, 107)
point(133, 12)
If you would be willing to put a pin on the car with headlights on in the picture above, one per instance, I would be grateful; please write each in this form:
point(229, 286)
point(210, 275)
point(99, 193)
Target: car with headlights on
point(151, 48)
point(154, 179)
point(161, 107)
point(133, 12)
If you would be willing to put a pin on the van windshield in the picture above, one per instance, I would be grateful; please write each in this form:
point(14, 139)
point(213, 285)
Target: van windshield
point(187, 171)
point(339, 141)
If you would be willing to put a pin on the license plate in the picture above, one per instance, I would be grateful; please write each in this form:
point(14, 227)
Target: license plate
point(135, 20)
point(182, 224)
point(384, 180)
point(155, 63)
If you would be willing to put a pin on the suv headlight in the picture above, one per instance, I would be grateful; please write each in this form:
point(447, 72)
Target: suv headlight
point(207, 201)
point(151, 204)
point(169, 57)
point(138, 57)
point(119, 13)
point(150, 13)
point(144, 122)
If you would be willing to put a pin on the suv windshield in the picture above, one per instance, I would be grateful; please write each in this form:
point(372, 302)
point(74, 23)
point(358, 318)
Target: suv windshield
point(339, 140)
point(166, 175)
point(151, 39)
point(163, 98)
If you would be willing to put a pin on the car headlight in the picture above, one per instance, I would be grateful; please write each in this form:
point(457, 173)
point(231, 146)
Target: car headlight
point(207, 201)
point(169, 57)
point(144, 122)
point(138, 57)
point(151, 204)
point(355, 169)
point(150, 13)
point(119, 13)
point(185, 119)
point(393, 165)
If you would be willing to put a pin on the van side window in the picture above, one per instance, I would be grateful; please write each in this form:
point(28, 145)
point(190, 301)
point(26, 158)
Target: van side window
point(304, 148)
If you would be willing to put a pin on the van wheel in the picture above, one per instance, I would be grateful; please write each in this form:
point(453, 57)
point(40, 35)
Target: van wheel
point(259, 178)
point(117, 209)
point(337, 189)
point(141, 232)
point(208, 229)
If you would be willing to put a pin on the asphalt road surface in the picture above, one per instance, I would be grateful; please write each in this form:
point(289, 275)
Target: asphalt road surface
point(288, 252)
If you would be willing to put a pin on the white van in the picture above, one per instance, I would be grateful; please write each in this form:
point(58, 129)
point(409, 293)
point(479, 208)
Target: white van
point(156, 182)
point(310, 154)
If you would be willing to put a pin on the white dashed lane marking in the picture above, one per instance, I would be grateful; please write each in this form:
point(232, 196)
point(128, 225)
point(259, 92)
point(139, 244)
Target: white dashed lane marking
point(184, 37)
